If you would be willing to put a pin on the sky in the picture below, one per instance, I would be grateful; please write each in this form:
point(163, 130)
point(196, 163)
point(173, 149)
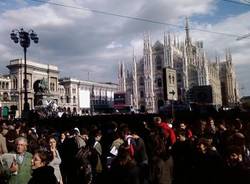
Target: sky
point(87, 41)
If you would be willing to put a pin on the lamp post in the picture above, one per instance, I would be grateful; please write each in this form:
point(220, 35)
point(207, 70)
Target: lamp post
point(172, 103)
point(24, 37)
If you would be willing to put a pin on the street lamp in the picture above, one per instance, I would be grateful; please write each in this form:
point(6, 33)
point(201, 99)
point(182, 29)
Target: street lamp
point(24, 38)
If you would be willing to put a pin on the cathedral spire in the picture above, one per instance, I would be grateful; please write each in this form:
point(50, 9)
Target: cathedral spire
point(228, 56)
point(134, 83)
point(147, 42)
point(122, 77)
point(188, 39)
point(165, 39)
point(178, 42)
point(169, 39)
point(217, 59)
point(174, 40)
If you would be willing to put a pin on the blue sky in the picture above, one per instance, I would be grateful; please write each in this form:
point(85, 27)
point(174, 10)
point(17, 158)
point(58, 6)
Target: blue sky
point(82, 42)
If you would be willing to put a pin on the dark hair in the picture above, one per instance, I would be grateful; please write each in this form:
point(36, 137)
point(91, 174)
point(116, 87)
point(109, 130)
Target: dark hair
point(46, 156)
point(234, 149)
point(53, 137)
point(159, 147)
point(123, 158)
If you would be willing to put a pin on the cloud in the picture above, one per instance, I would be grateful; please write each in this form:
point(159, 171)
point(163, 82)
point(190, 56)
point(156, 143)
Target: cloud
point(113, 45)
point(237, 25)
point(79, 40)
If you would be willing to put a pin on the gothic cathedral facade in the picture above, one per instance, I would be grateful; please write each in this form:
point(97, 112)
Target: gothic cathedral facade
point(168, 71)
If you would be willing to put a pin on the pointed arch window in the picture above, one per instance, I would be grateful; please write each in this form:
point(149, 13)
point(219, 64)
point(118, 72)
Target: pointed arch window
point(179, 79)
point(159, 82)
point(158, 61)
point(141, 81)
point(141, 94)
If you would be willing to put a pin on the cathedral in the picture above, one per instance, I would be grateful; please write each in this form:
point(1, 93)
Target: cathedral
point(180, 72)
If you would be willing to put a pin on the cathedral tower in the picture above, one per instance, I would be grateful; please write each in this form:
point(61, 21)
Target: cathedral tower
point(134, 84)
point(122, 78)
point(148, 75)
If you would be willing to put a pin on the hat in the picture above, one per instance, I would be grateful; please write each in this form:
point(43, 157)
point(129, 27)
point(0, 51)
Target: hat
point(76, 130)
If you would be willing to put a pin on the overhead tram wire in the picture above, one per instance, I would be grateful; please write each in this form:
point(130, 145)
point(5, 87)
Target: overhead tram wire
point(238, 2)
point(243, 37)
point(245, 3)
point(134, 18)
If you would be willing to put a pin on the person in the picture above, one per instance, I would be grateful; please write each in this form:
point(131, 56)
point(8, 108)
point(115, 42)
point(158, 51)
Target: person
point(55, 163)
point(42, 172)
point(236, 169)
point(20, 171)
point(140, 156)
point(168, 132)
point(208, 163)
point(161, 168)
point(183, 127)
point(123, 168)
point(182, 152)
point(80, 139)
point(3, 147)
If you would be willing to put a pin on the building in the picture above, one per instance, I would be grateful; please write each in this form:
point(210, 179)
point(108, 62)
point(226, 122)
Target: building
point(8, 100)
point(82, 97)
point(229, 87)
point(37, 74)
point(173, 66)
point(44, 86)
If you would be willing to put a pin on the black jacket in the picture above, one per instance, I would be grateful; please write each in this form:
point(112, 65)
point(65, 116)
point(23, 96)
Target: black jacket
point(43, 175)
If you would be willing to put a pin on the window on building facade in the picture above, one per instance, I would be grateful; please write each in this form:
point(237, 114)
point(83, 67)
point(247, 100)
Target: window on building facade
point(14, 82)
point(74, 90)
point(141, 94)
point(52, 86)
point(141, 81)
point(7, 85)
point(179, 78)
point(61, 99)
point(159, 82)
point(27, 83)
point(74, 99)
point(158, 62)
point(68, 99)
point(3, 84)
point(66, 91)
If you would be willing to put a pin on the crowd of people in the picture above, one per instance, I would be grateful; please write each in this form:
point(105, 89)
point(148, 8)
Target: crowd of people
point(155, 152)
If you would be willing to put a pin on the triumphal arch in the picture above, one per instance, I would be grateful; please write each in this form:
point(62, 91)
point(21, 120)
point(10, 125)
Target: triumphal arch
point(42, 82)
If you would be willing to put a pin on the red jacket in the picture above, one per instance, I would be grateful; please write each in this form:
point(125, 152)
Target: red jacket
point(168, 132)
